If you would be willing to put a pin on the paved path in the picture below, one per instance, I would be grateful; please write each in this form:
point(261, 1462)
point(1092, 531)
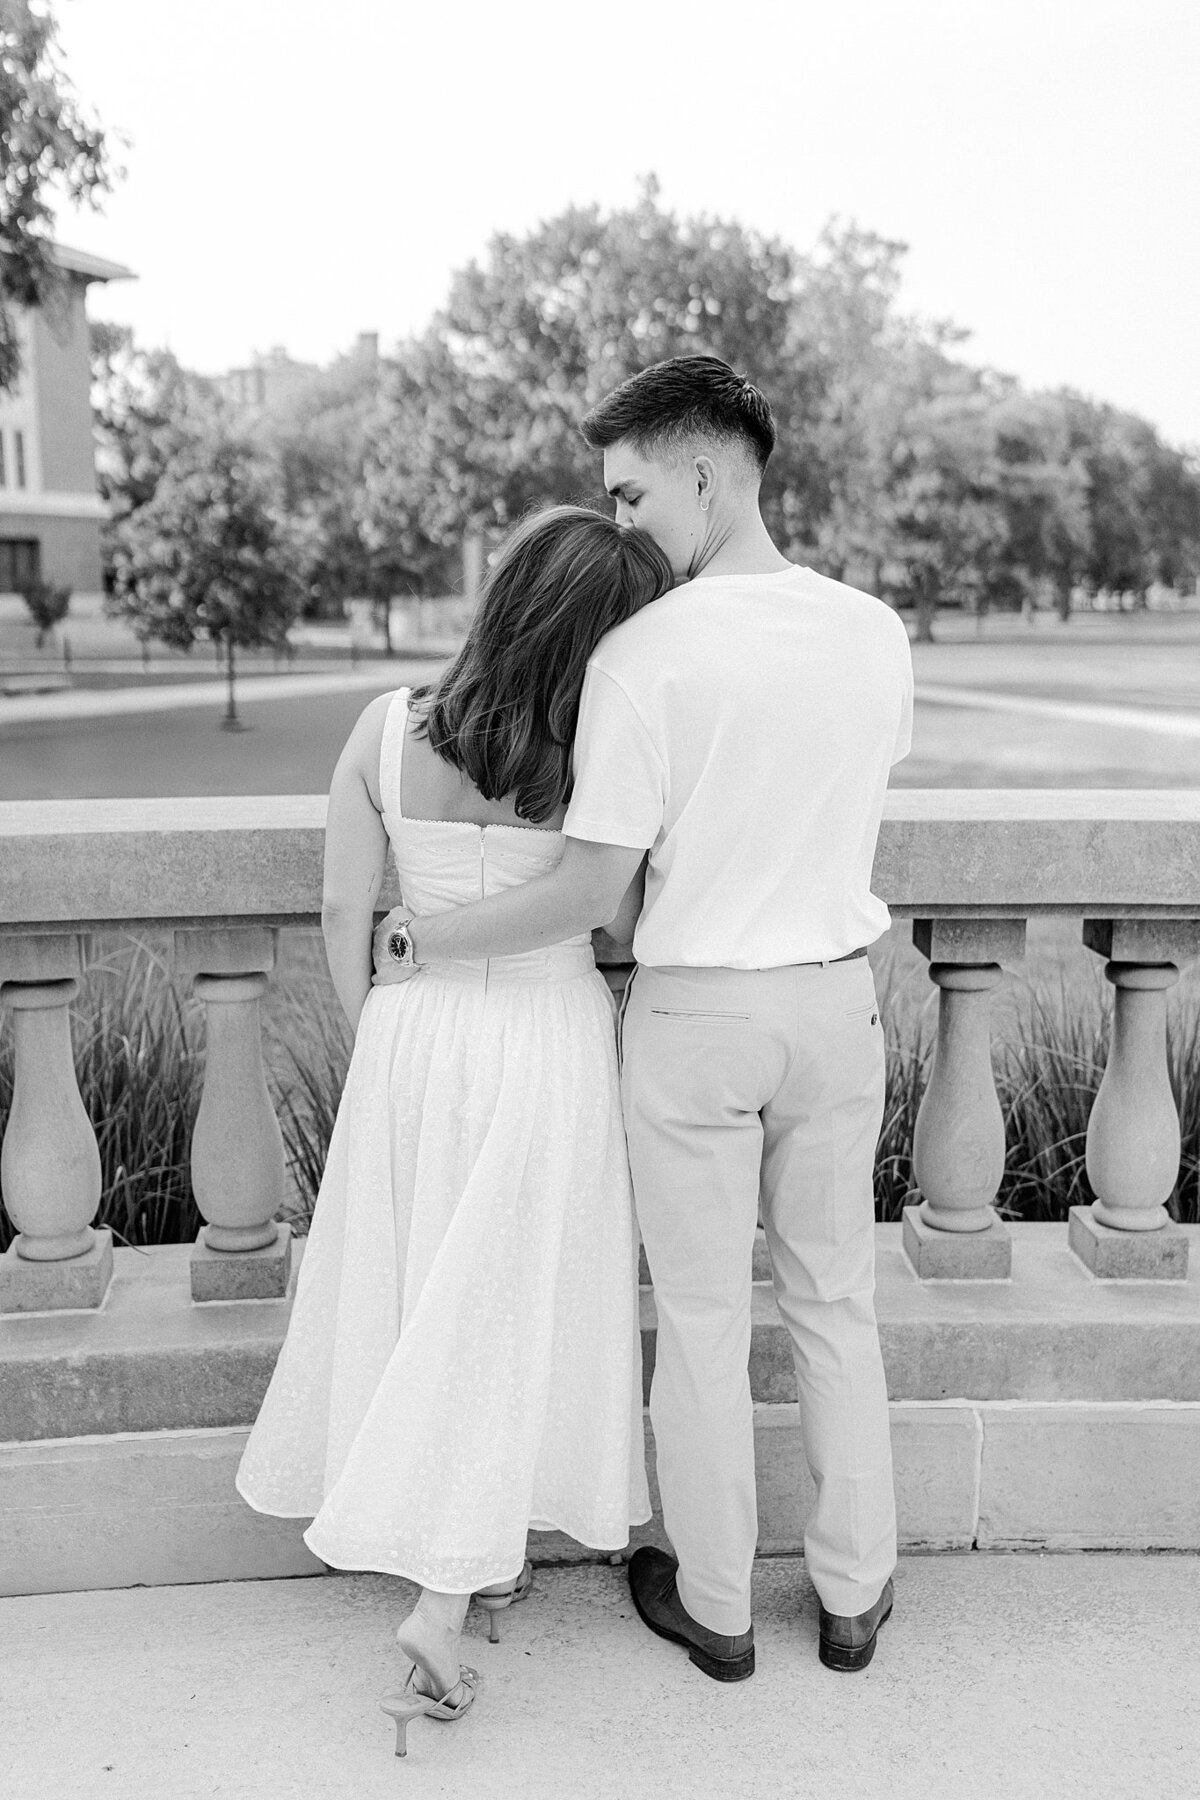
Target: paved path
point(108, 703)
point(1080, 712)
point(999, 1678)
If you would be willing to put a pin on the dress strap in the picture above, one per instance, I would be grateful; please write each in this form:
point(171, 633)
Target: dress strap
point(391, 752)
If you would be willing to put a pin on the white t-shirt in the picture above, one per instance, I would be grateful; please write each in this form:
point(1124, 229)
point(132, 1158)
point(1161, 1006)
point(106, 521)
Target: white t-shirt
point(741, 729)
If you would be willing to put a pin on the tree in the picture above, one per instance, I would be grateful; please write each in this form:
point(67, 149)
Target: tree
point(47, 602)
point(874, 365)
point(147, 411)
point(947, 519)
point(45, 137)
point(210, 553)
point(1043, 486)
point(318, 444)
point(480, 420)
point(409, 510)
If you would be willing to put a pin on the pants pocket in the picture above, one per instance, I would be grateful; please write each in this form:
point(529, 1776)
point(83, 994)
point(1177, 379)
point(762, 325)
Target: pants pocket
point(691, 1016)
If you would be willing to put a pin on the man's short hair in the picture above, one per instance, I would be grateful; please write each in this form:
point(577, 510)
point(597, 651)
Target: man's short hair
point(673, 403)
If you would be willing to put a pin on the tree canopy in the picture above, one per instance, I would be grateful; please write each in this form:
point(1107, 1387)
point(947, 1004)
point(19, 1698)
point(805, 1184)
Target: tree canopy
point(46, 140)
point(901, 467)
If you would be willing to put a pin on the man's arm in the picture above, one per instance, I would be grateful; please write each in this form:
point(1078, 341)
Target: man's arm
point(618, 797)
point(584, 891)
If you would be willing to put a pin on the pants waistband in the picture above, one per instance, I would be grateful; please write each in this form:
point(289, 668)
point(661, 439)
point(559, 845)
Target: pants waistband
point(849, 957)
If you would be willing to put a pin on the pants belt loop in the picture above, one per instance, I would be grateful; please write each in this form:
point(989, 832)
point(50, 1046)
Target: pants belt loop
point(825, 964)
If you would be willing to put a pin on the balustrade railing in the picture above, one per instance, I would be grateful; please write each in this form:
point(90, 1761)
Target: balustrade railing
point(967, 868)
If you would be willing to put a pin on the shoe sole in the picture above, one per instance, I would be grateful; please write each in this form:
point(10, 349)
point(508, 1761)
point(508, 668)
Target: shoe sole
point(842, 1657)
point(721, 1668)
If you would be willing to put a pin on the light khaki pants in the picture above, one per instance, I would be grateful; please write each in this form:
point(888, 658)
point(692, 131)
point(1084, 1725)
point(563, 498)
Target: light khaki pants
point(741, 1088)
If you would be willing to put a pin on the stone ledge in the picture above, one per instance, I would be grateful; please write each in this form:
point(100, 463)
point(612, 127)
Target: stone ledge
point(74, 1284)
point(1112, 1255)
point(151, 1360)
point(957, 1255)
point(1090, 1477)
point(161, 1508)
point(955, 852)
point(136, 1511)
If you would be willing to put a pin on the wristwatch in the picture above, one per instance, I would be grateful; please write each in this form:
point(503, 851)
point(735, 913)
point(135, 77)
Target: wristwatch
point(400, 945)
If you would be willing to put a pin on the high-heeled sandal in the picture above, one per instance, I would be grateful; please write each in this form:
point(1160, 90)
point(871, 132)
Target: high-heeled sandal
point(412, 1704)
point(494, 1599)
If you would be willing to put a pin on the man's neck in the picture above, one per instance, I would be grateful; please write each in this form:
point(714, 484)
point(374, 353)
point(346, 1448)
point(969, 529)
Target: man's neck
point(742, 547)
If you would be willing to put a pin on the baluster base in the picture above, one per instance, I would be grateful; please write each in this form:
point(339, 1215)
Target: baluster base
point(243, 1274)
point(74, 1284)
point(1113, 1255)
point(957, 1255)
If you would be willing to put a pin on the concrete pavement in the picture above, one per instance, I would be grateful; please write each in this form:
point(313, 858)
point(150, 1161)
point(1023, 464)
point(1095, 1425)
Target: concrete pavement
point(152, 697)
point(998, 1678)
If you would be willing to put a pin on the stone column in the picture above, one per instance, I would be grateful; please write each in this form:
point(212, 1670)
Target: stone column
point(1133, 1131)
point(49, 1163)
point(238, 1172)
point(958, 1144)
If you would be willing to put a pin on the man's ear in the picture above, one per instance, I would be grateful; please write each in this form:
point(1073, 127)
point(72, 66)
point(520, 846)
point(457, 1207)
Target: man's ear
point(705, 473)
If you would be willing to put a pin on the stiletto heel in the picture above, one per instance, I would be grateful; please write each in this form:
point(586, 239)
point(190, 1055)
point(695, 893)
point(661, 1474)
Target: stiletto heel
point(413, 1704)
point(404, 1707)
point(494, 1599)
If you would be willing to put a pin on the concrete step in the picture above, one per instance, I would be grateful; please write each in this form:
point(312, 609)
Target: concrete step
point(1052, 1411)
point(151, 1360)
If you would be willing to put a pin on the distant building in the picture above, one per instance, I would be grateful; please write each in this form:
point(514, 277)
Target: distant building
point(272, 381)
point(269, 382)
point(50, 512)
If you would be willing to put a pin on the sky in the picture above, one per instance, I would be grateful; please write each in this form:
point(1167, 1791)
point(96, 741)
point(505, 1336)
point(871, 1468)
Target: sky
point(299, 171)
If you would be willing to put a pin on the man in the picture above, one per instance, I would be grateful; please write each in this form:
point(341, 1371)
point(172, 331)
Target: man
point(740, 731)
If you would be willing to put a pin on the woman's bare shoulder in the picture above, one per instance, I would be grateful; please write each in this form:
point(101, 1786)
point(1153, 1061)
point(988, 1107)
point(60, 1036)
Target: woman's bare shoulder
point(365, 742)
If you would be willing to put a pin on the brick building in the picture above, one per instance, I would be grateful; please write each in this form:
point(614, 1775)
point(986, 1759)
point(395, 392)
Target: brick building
point(50, 512)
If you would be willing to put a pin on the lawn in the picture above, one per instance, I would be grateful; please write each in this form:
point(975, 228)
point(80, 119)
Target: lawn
point(1151, 661)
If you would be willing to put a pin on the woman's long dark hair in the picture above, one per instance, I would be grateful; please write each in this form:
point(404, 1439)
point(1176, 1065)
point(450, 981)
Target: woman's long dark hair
point(504, 712)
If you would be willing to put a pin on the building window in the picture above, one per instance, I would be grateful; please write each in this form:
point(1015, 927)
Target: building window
point(20, 564)
point(19, 456)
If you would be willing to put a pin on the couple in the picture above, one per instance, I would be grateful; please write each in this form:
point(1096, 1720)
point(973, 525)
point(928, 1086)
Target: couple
point(659, 725)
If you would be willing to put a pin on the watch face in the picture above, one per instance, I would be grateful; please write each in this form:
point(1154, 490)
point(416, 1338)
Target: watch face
point(398, 946)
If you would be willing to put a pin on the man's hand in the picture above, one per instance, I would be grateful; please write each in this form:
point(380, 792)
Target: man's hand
point(388, 972)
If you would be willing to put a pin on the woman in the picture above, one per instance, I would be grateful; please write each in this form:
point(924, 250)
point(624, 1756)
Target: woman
point(463, 1358)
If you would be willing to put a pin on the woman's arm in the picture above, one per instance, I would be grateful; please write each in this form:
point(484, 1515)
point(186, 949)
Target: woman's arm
point(355, 854)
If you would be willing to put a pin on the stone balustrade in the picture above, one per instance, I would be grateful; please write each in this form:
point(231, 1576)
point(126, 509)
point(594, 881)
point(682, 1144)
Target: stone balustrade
point(968, 868)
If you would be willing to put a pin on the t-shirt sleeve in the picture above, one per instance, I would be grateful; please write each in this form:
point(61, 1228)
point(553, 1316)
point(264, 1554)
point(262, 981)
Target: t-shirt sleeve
point(620, 785)
point(904, 729)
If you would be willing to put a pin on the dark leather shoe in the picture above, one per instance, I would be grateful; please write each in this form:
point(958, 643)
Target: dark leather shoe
point(849, 1642)
point(652, 1584)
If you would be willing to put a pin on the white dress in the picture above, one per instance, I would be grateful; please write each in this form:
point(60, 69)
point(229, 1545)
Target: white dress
point(463, 1360)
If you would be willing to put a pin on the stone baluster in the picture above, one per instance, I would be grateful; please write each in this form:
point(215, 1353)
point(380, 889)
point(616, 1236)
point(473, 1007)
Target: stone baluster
point(958, 1144)
point(49, 1164)
point(238, 1172)
point(1133, 1132)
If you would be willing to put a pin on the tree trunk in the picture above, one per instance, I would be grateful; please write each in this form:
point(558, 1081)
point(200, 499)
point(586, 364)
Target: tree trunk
point(230, 722)
point(1064, 598)
point(926, 608)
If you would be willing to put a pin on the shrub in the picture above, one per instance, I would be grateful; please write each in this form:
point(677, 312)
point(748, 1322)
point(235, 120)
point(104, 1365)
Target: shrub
point(47, 603)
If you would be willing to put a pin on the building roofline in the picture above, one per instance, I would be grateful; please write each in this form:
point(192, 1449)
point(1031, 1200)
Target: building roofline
point(92, 268)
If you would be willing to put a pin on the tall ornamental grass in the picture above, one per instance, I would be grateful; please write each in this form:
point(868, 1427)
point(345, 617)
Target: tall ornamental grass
point(139, 1054)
